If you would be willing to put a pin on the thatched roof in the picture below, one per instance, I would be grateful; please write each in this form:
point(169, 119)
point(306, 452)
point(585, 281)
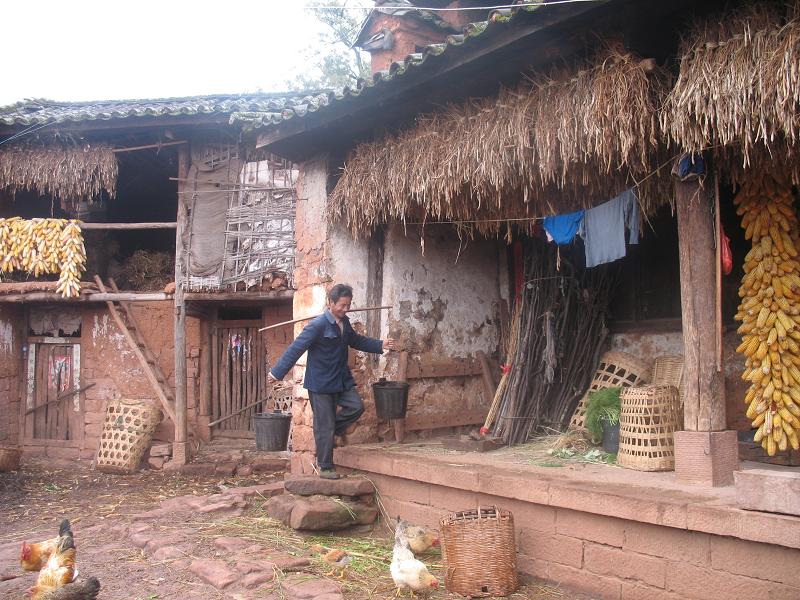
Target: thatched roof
point(67, 172)
point(558, 142)
point(739, 82)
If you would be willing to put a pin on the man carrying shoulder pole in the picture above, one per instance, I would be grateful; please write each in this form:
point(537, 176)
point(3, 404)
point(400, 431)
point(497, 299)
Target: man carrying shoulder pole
point(330, 384)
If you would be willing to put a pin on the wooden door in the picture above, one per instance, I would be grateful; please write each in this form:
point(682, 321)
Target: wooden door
point(53, 372)
point(239, 373)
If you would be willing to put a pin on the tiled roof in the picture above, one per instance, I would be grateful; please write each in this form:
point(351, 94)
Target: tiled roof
point(270, 108)
point(404, 8)
point(472, 33)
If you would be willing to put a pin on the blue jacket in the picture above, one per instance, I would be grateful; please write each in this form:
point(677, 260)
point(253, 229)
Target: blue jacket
point(326, 367)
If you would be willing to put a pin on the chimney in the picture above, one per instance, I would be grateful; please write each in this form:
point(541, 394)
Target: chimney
point(396, 28)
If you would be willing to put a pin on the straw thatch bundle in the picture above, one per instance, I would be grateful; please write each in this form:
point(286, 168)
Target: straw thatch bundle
point(66, 172)
point(739, 82)
point(558, 142)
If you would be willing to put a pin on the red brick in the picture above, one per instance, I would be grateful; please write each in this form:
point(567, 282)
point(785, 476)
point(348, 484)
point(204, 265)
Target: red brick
point(533, 567)
point(723, 520)
point(607, 588)
point(402, 489)
point(302, 463)
point(464, 477)
point(605, 560)
point(554, 548)
point(407, 468)
point(522, 487)
point(640, 591)
point(761, 561)
point(533, 517)
point(419, 514)
point(616, 501)
point(684, 546)
point(452, 499)
point(708, 584)
point(596, 528)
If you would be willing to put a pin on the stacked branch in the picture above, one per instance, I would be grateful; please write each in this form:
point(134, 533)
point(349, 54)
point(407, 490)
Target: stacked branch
point(560, 141)
point(558, 340)
point(68, 173)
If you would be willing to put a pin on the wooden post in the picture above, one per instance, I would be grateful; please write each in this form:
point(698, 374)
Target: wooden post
point(180, 451)
point(704, 453)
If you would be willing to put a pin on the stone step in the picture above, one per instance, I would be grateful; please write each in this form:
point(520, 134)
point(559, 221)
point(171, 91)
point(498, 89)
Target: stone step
point(768, 490)
point(320, 513)
point(314, 486)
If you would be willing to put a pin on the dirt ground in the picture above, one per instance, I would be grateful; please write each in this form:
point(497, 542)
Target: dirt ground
point(107, 510)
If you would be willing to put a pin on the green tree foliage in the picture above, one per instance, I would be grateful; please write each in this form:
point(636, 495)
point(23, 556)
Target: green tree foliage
point(333, 61)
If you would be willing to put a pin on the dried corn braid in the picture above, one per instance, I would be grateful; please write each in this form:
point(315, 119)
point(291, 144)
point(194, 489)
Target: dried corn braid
point(40, 246)
point(770, 312)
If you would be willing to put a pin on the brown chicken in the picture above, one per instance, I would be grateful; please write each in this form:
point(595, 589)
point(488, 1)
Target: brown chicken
point(82, 590)
point(338, 559)
point(420, 539)
point(59, 570)
point(33, 557)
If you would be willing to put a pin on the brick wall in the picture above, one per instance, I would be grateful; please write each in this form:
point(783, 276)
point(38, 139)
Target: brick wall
point(11, 341)
point(610, 557)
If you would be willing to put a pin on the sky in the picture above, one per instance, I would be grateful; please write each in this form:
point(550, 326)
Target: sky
point(126, 49)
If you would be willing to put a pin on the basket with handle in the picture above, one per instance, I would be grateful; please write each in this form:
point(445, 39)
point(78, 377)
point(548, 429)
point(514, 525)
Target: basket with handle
point(9, 458)
point(127, 431)
point(616, 369)
point(479, 554)
point(649, 417)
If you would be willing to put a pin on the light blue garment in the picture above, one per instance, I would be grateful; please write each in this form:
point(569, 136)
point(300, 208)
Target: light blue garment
point(604, 228)
point(562, 228)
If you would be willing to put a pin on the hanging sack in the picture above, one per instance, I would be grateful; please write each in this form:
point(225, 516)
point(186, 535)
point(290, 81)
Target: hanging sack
point(727, 257)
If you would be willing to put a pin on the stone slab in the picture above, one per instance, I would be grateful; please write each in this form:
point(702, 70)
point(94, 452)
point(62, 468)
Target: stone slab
point(213, 572)
point(321, 513)
point(768, 490)
point(312, 486)
point(706, 457)
point(302, 587)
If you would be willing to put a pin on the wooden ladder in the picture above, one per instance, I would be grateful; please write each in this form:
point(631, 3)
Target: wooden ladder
point(127, 324)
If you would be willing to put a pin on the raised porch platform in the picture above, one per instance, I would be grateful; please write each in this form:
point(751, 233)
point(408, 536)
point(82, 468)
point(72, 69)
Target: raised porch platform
point(611, 532)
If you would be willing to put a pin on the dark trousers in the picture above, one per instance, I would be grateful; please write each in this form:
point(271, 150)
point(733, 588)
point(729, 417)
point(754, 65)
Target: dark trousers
point(328, 422)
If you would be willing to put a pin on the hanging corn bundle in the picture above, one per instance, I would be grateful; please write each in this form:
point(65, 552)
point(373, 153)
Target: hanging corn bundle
point(770, 312)
point(44, 246)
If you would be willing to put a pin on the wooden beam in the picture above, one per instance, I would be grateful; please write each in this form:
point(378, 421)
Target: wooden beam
point(118, 226)
point(238, 296)
point(85, 297)
point(704, 403)
point(489, 384)
point(442, 421)
point(148, 146)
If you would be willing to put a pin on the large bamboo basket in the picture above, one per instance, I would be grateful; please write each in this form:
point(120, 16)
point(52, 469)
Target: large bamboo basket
point(649, 417)
point(617, 369)
point(127, 431)
point(479, 554)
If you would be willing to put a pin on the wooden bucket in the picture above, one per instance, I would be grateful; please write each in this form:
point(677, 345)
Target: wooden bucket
point(127, 431)
point(649, 417)
point(479, 554)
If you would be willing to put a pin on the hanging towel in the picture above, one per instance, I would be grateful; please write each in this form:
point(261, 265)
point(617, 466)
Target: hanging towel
point(604, 228)
point(562, 228)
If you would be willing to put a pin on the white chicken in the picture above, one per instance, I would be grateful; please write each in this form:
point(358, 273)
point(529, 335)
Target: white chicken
point(407, 571)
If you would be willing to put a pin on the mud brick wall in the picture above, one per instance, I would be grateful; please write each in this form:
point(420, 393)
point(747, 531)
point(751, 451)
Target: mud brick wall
point(11, 369)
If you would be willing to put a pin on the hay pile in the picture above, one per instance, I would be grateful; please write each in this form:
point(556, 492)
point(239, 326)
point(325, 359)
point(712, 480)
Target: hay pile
point(739, 82)
point(559, 142)
point(148, 271)
point(67, 172)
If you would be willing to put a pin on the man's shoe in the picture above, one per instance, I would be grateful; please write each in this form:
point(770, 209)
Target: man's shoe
point(329, 474)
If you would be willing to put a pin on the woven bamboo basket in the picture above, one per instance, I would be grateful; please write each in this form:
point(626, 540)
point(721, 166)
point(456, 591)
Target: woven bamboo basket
point(9, 458)
point(127, 431)
point(649, 417)
point(617, 369)
point(478, 552)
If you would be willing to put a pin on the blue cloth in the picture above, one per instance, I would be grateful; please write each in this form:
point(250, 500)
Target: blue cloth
point(690, 166)
point(326, 367)
point(562, 228)
point(604, 228)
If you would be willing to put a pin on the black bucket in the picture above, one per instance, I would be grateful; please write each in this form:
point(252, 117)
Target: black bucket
point(391, 399)
point(272, 430)
point(611, 438)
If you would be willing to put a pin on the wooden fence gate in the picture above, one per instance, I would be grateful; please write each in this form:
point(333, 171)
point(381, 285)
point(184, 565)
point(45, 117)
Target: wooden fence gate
point(52, 412)
point(239, 373)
